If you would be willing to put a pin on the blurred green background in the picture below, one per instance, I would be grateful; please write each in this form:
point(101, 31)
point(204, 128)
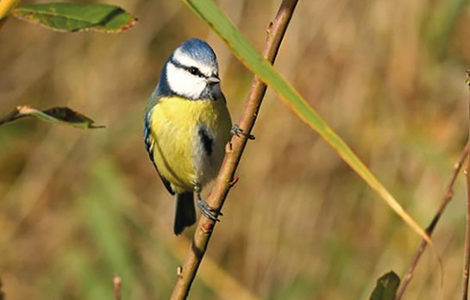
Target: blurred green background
point(78, 207)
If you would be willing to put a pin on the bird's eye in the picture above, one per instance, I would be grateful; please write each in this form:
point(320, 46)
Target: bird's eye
point(194, 71)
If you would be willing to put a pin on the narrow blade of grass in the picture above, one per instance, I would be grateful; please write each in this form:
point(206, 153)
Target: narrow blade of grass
point(252, 59)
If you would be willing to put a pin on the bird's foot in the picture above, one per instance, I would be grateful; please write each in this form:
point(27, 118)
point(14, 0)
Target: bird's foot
point(236, 130)
point(208, 211)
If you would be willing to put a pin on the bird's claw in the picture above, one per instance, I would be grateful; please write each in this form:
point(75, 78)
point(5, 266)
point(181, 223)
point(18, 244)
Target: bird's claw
point(236, 130)
point(208, 211)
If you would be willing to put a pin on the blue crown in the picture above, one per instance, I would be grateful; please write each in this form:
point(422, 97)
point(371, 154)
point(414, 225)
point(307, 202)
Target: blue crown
point(196, 49)
point(199, 50)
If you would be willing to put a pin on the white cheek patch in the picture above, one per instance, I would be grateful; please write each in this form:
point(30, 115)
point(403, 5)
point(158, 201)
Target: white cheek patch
point(183, 83)
point(187, 60)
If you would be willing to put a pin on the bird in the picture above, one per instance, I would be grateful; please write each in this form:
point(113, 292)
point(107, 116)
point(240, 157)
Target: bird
point(187, 125)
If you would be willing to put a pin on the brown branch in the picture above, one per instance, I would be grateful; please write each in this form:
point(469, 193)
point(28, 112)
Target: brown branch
point(467, 229)
point(224, 182)
point(117, 287)
point(429, 230)
point(467, 239)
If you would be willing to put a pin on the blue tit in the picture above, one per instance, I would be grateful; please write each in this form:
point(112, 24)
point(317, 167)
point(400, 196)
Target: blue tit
point(187, 125)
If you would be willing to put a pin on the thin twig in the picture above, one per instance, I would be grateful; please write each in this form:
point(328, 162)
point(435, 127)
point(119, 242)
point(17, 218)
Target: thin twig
point(224, 182)
point(467, 227)
point(117, 287)
point(467, 239)
point(429, 230)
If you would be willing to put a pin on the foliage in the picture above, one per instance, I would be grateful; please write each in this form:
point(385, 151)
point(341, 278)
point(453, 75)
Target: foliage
point(307, 226)
point(72, 17)
point(386, 287)
point(66, 17)
point(62, 115)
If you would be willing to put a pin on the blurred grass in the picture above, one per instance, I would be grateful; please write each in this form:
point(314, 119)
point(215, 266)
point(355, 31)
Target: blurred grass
point(76, 207)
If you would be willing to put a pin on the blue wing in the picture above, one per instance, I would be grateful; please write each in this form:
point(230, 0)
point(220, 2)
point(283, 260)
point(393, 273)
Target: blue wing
point(149, 143)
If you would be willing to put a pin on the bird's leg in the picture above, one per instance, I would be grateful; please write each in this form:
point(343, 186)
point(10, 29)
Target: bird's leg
point(206, 210)
point(236, 130)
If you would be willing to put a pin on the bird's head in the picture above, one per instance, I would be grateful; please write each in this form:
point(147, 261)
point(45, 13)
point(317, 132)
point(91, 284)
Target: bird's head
point(192, 72)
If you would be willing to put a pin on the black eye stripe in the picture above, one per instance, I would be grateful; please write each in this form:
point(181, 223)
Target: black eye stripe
point(195, 71)
point(192, 70)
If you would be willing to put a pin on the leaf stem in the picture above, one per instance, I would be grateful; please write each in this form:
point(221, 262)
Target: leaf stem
point(224, 182)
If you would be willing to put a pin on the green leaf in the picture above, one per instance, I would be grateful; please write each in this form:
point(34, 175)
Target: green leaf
point(253, 60)
point(56, 115)
point(73, 17)
point(386, 287)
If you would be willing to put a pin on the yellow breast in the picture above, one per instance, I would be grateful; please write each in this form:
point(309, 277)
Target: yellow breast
point(178, 150)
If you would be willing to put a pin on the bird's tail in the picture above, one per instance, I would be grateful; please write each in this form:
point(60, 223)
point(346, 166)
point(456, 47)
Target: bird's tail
point(185, 215)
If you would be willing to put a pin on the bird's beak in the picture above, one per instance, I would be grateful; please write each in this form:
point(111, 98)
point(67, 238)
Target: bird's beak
point(213, 79)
